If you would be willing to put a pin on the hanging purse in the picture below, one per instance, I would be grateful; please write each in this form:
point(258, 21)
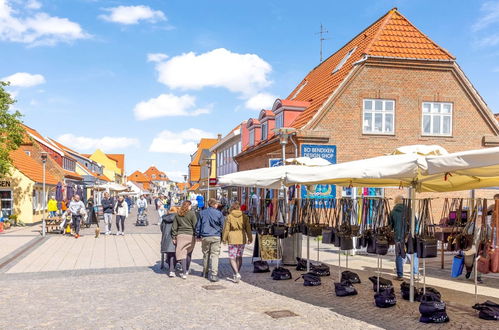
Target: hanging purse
point(426, 242)
point(485, 249)
point(494, 254)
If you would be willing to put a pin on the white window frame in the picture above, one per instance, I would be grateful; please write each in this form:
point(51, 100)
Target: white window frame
point(279, 120)
point(433, 114)
point(11, 199)
point(265, 127)
point(373, 112)
point(252, 137)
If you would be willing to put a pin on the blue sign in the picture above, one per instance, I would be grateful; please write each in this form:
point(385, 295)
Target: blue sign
point(319, 191)
point(273, 162)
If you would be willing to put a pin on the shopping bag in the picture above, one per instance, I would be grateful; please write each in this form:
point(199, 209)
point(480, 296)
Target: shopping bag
point(457, 266)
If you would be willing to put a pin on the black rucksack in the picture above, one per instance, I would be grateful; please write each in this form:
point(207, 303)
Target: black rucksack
point(310, 279)
point(318, 269)
point(438, 317)
point(431, 304)
point(281, 273)
point(384, 284)
point(350, 276)
point(385, 298)
point(260, 266)
point(344, 288)
point(489, 310)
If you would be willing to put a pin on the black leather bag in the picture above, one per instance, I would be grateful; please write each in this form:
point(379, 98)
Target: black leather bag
point(301, 264)
point(337, 239)
point(381, 245)
point(385, 299)
point(320, 270)
point(346, 243)
point(439, 317)
point(350, 276)
point(327, 236)
point(431, 304)
point(279, 230)
point(427, 247)
point(371, 244)
point(344, 289)
point(384, 284)
point(280, 274)
point(261, 266)
point(489, 310)
point(310, 279)
point(405, 290)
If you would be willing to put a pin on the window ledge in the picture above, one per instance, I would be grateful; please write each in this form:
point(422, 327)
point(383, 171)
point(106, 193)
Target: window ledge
point(437, 136)
point(378, 134)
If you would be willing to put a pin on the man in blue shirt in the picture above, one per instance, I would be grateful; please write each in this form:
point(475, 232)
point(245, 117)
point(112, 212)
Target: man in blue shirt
point(209, 229)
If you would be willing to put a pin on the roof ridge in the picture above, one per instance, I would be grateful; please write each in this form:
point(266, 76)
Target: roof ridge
point(385, 19)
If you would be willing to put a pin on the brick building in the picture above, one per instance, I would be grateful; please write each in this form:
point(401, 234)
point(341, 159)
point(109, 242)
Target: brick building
point(390, 86)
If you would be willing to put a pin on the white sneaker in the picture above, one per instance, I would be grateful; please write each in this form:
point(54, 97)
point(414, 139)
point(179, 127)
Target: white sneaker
point(184, 276)
point(106, 233)
point(118, 233)
point(122, 233)
point(172, 274)
point(237, 278)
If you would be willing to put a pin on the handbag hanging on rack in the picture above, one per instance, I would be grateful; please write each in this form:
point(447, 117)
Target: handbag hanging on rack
point(426, 241)
point(327, 232)
point(494, 254)
point(485, 248)
point(345, 230)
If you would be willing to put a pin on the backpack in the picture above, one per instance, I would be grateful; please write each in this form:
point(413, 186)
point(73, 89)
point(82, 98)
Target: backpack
point(439, 317)
point(384, 284)
point(385, 298)
point(280, 274)
point(260, 266)
point(431, 304)
point(344, 288)
point(488, 310)
point(310, 279)
point(350, 276)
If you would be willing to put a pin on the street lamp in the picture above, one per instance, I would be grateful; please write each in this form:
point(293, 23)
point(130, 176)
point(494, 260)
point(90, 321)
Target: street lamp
point(44, 161)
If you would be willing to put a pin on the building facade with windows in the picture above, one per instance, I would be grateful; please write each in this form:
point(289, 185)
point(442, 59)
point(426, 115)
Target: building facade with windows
point(389, 86)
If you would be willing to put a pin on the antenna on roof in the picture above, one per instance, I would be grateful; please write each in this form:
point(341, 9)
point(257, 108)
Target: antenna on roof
point(322, 32)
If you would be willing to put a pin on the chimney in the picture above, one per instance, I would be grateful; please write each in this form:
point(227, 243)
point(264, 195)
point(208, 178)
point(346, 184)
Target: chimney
point(219, 136)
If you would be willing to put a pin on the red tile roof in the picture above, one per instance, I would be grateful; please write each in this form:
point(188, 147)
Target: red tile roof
point(72, 175)
point(138, 177)
point(203, 144)
point(390, 36)
point(29, 167)
point(120, 160)
point(158, 175)
point(194, 187)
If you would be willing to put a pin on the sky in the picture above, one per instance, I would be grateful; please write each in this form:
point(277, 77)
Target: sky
point(149, 78)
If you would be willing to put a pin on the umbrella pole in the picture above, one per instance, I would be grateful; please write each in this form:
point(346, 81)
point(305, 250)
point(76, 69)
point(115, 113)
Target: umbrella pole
point(412, 197)
point(476, 281)
point(424, 275)
point(318, 247)
point(377, 289)
point(308, 253)
point(339, 265)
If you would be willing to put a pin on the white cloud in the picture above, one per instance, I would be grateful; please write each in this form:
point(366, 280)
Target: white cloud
point(36, 28)
point(184, 142)
point(156, 57)
point(489, 41)
point(168, 105)
point(105, 143)
point(240, 73)
point(177, 176)
point(24, 79)
point(33, 4)
point(260, 101)
point(133, 14)
point(490, 16)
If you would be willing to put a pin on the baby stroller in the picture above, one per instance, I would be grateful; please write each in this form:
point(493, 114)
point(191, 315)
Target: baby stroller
point(142, 219)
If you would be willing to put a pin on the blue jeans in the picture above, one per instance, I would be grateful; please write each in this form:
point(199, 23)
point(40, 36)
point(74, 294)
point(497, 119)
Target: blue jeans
point(141, 210)
point(399, 262)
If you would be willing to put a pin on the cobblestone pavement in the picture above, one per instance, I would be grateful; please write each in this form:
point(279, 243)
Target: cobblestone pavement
point(140, 295)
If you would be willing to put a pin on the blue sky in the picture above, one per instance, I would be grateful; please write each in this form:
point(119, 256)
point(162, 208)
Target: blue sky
point(148, 78)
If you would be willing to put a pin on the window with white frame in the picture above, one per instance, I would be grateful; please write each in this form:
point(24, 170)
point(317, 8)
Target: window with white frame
point(252, 137)
point(437, 118)
point(378, 116)
point(264, 130)
point(279, 120)
point(7, 203)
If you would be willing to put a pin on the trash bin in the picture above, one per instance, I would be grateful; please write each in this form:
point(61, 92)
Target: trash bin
point(291, 249)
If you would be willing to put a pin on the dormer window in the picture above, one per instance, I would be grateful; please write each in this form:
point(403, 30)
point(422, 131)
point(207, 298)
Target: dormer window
point(265, 130)
point(279, 120)
point(252, 137)
point(344, 60)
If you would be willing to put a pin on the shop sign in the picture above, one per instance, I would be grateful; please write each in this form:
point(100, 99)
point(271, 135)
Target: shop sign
point(327, 152)
point(273, 162)
point(213, 181)
point(4, 184)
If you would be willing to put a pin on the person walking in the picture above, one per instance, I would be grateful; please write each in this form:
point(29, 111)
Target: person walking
point(141, 204)
point(184, 236)
point(108, 209)
point(398, 222)
point(77, 210)
point(167, 245)
point(52, 207)
point(236, 232)
point(160, 208)
point(121, 210)
point(209, 229)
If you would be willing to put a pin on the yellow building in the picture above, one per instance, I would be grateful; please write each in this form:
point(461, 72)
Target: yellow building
point(113, 164)
point(21, 191)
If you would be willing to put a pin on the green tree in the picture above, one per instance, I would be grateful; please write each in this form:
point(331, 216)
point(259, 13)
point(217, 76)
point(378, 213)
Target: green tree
point(11, 130)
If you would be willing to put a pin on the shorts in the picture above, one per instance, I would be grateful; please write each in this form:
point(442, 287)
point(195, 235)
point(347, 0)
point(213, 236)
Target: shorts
point(236, 250)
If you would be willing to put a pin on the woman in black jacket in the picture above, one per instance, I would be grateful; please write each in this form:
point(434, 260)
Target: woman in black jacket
point(167, 245)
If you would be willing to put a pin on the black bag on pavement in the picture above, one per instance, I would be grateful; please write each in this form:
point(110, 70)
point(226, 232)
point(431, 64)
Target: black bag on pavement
point(310, 279)
point(489, 310)
point(385, 298)
point(384, 284)
point(405, 289)
point(429, 289)
point(344, 288)
point(350, 276)
point(280, 274)
point(261, 266)
point(431, 304)
point(439, 317)
point(301, 264)
point(320, 270)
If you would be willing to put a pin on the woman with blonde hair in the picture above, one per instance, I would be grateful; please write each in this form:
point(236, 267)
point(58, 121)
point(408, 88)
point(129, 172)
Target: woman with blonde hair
point(237, 232)
point(167, 246)
point(184, 235)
